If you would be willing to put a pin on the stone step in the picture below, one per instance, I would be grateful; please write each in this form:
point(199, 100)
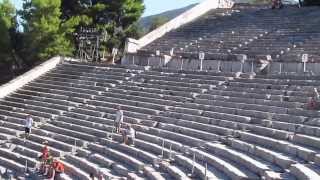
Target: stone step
point(280, 159)
point(166, 94)
point(11, 164)
point(174, 171)
point(302, 152)
point(74, 171)
point(18, 158)
point(139, 97)
point(69, 94)
point(122, 157)
point(129, 150)
point(88, 166)
point(200, 134)
point(51, 142)
point(66, 83)
point(37, 146)
point(67, 90)
point(153, 174)
point(145, 112)
point(134, 102)
point(252, 163)
point(230, 169)
point(41, 104)
point(33, 110)
point(302, 171)
point(110, 164)
point(209, 128)
point(62, 130)
point(199, 170)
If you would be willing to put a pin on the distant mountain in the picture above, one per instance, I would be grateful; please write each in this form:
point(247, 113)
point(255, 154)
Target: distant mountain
point(145, 22)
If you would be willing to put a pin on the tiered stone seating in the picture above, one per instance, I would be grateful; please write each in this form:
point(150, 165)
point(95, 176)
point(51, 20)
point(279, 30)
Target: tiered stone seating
point(185, 120)
point(255, 31)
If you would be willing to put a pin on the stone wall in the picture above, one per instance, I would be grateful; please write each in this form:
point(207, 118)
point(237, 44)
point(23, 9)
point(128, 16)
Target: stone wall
point(29, 76)
point(225, 66)
point(133, 45)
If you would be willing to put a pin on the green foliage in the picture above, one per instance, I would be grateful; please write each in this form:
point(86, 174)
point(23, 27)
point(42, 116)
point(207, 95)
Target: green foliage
point(116, 17)
point(45, 34)
point(48, 26)
point(7, 25)
point(157, 22)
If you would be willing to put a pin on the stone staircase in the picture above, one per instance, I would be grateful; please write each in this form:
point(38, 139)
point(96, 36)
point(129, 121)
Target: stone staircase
point(190, 124)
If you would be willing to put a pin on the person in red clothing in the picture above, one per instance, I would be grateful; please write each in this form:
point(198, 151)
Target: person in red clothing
point(58, 167)
point(44, 157)
point(313, 103)
point(45, 151)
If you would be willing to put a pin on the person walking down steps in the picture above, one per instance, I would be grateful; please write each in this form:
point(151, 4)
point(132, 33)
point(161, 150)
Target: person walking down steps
point(119, 119)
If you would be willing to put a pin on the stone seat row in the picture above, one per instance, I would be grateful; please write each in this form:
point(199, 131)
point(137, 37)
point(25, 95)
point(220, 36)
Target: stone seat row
point(34, 138)
point(94, 127)
point(126, 149)
point(307, 140)
point(302, 150)
point(266, 155)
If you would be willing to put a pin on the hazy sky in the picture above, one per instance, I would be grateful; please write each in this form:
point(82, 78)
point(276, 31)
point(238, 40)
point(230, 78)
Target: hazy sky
point(152, 6)
point(158, 6)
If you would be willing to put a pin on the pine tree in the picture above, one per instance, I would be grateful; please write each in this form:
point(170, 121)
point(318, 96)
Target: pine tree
point(116, 17)
point(45, 34)
point(7, 24)
point(157, 22)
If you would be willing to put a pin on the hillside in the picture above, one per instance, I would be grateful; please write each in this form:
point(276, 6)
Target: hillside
point(145, 22)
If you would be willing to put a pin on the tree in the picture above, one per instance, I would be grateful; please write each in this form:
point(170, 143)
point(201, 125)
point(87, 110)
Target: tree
point(45, 34)
point(116, 17)
point(157, 22)
point(7, 25)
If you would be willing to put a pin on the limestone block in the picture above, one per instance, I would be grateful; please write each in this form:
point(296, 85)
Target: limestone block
point(305, 172)
point(307, 140)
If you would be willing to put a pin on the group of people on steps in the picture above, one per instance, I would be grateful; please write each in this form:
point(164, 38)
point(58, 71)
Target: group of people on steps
point(52, 167)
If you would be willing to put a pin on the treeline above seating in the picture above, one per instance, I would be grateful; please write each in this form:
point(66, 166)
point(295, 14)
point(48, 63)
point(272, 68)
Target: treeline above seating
point(46, 28)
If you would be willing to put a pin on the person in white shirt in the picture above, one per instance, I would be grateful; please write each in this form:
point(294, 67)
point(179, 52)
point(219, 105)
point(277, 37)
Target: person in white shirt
point(129, 135)
point(28, 125)
point(119, 119)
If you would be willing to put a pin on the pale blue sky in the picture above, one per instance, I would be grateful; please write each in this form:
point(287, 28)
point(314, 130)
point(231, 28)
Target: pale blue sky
point(158, 6)
point(152, 6)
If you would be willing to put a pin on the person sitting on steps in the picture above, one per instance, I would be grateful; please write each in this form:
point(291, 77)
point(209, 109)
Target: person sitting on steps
point(44, 157)
point(57, 169)
point(129, 135)
point(47, 166)
point(313, 103)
